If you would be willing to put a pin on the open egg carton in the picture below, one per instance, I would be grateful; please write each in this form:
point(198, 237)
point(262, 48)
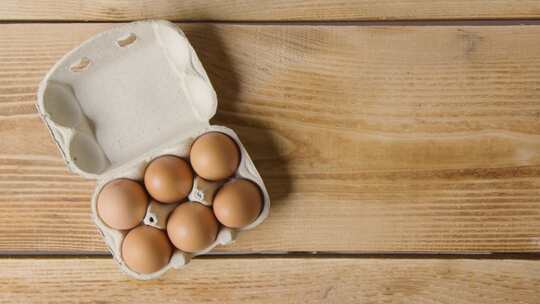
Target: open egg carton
point(125, 97)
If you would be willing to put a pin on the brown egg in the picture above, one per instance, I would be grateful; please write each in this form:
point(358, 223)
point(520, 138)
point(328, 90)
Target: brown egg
point(214, 156)
point(122, 203)
point(168, 179)
point(192, 227)
point(238, 203)
point(146, 249)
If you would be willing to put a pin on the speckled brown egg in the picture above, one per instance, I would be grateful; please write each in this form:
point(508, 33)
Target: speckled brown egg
point(214, 156)
point(146, 249)
point(238, 203)
point(192, 227)
point(122, 203)
point(168, 179)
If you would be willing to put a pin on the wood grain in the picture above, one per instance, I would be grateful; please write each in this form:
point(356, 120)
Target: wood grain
point(301, 280)
point(267, 10)
point(370, 139)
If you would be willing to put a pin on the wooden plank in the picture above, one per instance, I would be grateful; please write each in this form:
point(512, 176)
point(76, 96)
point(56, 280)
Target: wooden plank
point(302, 280)
point(370, 139)
point(268, 10)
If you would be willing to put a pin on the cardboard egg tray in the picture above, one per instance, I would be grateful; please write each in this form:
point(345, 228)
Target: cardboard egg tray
point(125, 97)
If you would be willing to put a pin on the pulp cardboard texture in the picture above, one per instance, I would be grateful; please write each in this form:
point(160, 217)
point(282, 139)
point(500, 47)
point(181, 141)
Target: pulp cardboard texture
point(125, 97)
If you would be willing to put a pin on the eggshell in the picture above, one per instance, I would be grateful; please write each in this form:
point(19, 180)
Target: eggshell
point(238, 203)
point(168, 179)
point(146, 249)
point(192, 227)
point(214, 156)
point(122, 204)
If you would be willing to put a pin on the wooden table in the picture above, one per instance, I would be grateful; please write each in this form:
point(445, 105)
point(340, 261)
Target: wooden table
point(402, 156)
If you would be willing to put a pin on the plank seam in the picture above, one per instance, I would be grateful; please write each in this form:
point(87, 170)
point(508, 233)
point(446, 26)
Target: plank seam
point(301, 255)
point(396, 22)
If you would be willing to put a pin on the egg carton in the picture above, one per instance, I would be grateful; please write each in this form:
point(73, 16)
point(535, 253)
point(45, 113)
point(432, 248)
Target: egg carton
point(125, 97)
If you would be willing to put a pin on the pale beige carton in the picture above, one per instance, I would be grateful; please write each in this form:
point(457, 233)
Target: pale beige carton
point(125, 97)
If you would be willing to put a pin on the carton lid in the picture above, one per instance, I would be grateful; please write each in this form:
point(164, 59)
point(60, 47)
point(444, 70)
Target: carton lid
point(123, 93)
